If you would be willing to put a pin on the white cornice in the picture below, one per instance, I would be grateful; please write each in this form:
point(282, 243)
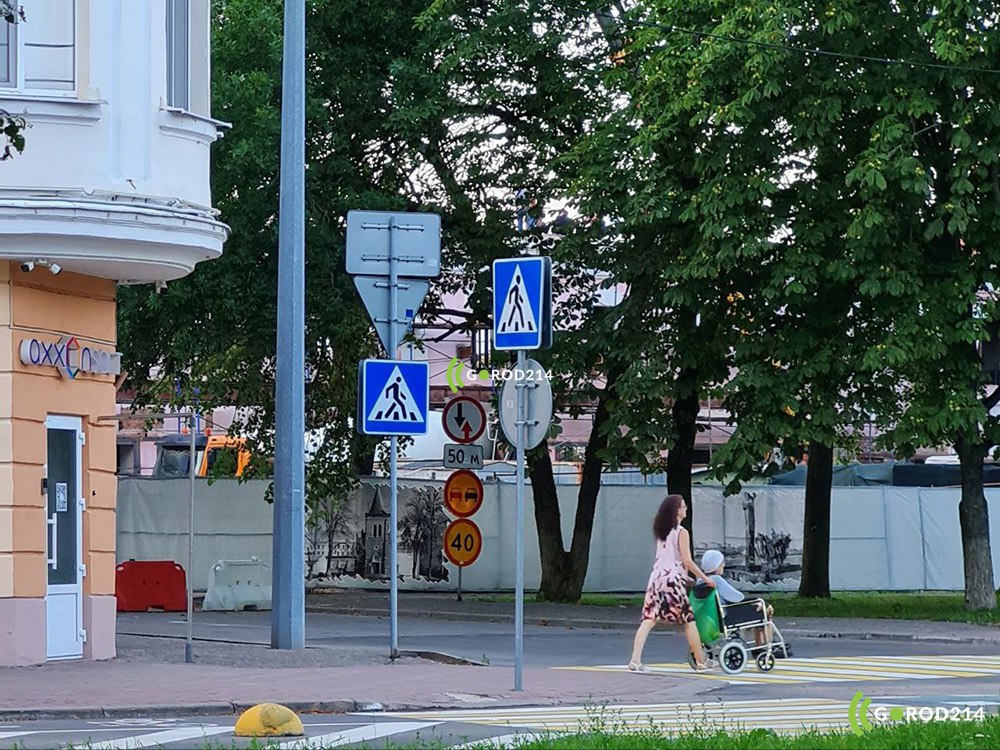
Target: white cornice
point(56, 109)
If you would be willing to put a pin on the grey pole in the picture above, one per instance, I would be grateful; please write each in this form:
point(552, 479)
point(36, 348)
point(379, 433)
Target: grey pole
point(519, 388)
point(393, 444)
point(288, 576)
point(189, 645)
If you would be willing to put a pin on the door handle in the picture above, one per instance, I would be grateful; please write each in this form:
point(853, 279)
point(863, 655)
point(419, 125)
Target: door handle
point(53, 523)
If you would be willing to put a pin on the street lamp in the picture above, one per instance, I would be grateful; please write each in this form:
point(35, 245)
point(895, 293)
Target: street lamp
point(288, 545)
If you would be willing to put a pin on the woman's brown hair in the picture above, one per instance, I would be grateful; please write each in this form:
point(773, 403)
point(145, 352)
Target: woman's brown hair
point(667, 516)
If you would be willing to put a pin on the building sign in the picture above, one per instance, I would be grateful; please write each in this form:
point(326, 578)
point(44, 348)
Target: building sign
point(70, 357)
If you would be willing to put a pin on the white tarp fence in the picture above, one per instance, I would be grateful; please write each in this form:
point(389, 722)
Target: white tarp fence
point(885, 538)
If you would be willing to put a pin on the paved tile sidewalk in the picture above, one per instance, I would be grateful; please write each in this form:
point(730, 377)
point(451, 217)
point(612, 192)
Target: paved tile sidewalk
point(411, 683)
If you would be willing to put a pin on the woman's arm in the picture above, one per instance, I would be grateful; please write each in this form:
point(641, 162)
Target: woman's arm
point(684, 540)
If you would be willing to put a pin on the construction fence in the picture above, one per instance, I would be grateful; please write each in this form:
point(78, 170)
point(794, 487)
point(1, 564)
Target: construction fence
point(882, 538)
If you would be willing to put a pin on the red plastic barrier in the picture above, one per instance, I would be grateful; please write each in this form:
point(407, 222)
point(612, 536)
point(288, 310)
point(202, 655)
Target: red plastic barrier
point(144, 584)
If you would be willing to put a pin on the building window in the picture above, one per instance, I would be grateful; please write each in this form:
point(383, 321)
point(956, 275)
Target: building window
point(8, 55)
point(179, 54)
point(39, 53)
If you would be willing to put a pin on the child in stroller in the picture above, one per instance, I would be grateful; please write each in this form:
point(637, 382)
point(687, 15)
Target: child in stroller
point(725, 617)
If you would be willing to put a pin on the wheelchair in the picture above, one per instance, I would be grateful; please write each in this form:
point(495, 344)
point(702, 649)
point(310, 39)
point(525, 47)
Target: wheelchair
point(725, 631)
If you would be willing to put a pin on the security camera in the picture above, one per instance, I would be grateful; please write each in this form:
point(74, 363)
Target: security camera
point(55, 268)
point(28, 266)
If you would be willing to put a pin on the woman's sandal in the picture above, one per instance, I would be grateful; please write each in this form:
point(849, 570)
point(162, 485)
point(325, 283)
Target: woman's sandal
point(634, 667)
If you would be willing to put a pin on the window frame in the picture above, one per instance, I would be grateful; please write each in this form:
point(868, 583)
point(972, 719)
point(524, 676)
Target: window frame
point(19, 86)
point(172, 57)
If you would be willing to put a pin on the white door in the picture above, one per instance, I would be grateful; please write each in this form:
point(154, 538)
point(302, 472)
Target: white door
point(64, 521)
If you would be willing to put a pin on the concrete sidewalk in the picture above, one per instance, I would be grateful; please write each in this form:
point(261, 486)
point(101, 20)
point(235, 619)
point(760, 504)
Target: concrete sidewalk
point(123, 688)
point(474, 608)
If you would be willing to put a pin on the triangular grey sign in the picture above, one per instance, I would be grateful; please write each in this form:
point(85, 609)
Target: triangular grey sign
point(374, 291)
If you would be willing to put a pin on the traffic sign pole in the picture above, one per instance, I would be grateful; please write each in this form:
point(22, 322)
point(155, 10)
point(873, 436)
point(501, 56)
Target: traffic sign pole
point(393, 445)
point(519, 529)
point(374, 256)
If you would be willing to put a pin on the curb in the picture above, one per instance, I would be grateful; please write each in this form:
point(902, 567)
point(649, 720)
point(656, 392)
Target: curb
point(219, 709)
point(897, 637)
point(442, 658)
point(196, 709)
point(561, 622)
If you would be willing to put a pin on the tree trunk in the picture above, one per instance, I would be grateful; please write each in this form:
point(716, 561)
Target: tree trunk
point(973, 515)
point(816, 533)
point(684, 415)
point(548, 522)
point(563, 573)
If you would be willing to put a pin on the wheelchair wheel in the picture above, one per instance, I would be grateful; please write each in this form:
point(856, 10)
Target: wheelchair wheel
point(733, 657)
point(765, 662)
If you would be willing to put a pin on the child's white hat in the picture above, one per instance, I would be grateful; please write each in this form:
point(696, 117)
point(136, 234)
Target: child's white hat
point(711, 560)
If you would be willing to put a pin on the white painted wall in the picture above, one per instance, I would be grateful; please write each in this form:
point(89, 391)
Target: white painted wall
point(103, 149)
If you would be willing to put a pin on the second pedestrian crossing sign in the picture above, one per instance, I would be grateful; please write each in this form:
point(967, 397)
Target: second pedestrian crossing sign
point(522, 303)
point(393, 397)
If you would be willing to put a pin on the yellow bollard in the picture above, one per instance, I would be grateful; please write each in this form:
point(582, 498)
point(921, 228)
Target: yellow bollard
point(269, 720)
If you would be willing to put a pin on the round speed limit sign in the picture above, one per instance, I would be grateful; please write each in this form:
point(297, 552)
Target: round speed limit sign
point(462, 542)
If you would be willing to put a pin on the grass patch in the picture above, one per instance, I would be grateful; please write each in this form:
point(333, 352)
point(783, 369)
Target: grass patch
point(917, 735)
point(861, 604)
point(884, 605)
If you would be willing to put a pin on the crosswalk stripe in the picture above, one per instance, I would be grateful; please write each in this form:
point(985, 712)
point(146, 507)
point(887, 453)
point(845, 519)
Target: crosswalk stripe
point(779, 715)
point(836, 669)
point(462, 714)
point(161, 738)
point(502, 741)
point(671, 711)
point(364, 733)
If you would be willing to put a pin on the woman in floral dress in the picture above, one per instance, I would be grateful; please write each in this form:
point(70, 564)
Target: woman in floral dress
point(666, 592)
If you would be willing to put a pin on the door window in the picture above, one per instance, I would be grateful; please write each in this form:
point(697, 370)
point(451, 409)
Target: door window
point(62, 510)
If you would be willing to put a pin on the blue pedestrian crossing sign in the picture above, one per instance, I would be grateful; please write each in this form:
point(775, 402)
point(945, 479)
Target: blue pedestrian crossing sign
point(522, 303)
point(393, 396)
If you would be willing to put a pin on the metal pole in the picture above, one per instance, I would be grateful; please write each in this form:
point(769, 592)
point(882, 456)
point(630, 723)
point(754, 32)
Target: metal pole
point(288, 577)
point(709, 429)
point(393, 444)
point(519, 388)
point(189, 645)
point(460, 583)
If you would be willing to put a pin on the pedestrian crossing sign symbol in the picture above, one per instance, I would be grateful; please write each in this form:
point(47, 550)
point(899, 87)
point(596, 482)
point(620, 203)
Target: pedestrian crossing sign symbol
point(522, 307)
point(393, 396)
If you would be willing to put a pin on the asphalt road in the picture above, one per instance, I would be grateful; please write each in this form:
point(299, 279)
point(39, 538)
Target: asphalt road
point(368, 638)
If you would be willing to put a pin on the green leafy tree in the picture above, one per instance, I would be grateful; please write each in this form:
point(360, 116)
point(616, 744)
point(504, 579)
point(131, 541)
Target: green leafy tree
point(868, 175)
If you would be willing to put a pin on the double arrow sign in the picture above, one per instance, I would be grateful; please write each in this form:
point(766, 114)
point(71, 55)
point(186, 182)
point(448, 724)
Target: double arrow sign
point(464, 421)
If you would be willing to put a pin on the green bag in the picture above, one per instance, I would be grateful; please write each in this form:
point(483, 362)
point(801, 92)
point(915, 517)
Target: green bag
point(706, 613)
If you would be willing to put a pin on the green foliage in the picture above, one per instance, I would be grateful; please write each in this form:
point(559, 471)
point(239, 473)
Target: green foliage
point(913, 736)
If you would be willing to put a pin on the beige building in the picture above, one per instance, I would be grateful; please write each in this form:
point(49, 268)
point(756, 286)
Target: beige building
point(112, 187)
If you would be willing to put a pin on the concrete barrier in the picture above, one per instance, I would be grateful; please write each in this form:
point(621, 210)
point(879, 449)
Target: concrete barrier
point(235, 585)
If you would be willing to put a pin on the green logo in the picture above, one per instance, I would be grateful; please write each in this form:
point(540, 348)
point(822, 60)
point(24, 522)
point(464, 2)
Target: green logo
point(454, 375)
point(857, 714)
point(858, 717)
